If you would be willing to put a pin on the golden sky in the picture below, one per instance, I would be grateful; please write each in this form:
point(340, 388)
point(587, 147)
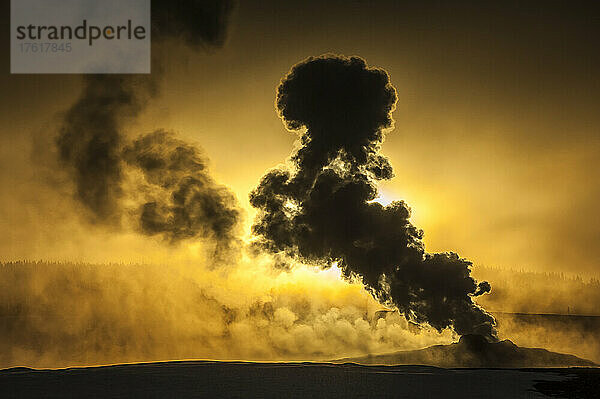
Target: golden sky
point(495, 142)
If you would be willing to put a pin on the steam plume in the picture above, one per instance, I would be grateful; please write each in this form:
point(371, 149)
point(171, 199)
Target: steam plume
point(92, 139)
point(199, 23)
point(196, 206)
point(322, 208)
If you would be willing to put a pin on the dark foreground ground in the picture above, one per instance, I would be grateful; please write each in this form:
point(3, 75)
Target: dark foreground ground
point(200, 379)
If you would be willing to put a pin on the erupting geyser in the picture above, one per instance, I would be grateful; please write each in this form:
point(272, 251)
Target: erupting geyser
point(321, 209)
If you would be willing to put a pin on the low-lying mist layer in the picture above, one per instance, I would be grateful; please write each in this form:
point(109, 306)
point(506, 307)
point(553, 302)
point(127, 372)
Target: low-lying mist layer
point(62, 314)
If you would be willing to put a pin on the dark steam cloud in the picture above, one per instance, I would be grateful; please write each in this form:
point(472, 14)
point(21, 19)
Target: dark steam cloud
point(187, 203)
point(323, 211)
point(201, 23)
point(91, 140)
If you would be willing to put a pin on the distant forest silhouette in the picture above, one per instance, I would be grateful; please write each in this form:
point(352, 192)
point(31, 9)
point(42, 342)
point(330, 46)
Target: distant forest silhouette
point(522, 291)
point(513, 290)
